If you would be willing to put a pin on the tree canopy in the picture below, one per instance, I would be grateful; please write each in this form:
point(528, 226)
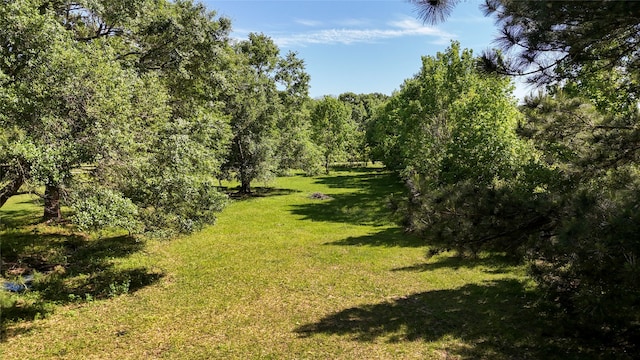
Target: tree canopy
point(129, 113)
point(333, 128)
point(584, 124)
point(122, 92)
point(267, 97)
point(451, 131)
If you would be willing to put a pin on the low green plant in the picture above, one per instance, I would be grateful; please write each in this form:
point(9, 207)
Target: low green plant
point(98, 208)
point(120, 288)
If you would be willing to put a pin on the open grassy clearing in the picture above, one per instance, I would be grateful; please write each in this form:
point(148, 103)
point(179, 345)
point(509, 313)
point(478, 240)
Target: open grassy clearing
point(281, 276)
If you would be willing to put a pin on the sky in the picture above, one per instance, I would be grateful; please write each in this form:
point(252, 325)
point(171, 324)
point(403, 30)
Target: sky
point(360, 46)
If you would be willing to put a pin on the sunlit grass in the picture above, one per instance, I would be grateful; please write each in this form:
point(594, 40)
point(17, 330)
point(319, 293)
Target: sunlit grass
point(281, 276)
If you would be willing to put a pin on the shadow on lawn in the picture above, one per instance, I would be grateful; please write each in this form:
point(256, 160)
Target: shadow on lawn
point(20, 213)
point(372, 181)
point(390, 237)
point(492, 263)
point(70, 268)
point(493, 320)
point(257, 192)
point(365, 206)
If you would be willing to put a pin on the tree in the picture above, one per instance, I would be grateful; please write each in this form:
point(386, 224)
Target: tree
point(451, 132)
point(128, 97)
point(253, 106)
point(268, 115)
point(362, 107)
point(59, 94)
point(585, 261)
point(586, 127)
point(333, 128)
point(186, 48)
point(295, 150)
point(383, 134)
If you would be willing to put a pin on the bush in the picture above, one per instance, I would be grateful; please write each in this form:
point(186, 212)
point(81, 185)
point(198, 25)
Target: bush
point(97, 208)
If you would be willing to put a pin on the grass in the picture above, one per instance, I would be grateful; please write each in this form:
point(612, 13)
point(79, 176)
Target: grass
point(280, 276)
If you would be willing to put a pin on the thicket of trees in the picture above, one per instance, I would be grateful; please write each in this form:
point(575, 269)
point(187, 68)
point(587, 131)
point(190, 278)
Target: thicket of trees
point(339, 127)
point(113, 108)
point(451, 133)
point(129, 113)
point(556, 183)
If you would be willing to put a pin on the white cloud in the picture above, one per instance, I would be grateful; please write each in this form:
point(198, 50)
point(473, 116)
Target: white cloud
point(307, 22)
point(353, 22)
point(395, 29)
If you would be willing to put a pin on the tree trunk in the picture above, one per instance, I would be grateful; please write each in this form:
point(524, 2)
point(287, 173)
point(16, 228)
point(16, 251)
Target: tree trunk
point(52, 203)
point(326, 164)
point(10, 189)
point(245, 186)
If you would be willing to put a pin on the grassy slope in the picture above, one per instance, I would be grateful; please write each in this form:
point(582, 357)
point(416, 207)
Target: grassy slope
point(285, 276)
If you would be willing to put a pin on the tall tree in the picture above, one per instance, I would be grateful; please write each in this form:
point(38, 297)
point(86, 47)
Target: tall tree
point(253, 106)
point(186, 48)
point(103, 84)
point(333, 128)
point(585, 261)
point(362, 108)
point(451, 131)
point(295, 150)
point(60, 94)
point(268, 108)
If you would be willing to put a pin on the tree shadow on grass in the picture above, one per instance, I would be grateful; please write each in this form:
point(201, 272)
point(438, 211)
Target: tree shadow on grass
point(69, 268)
point(491, 263)
point(390, 237)
point(353, 208)
point(20, 213)
point(257, 192)
point(379, 182)
point(368, 205)
point(493, 320)
point(357, 168)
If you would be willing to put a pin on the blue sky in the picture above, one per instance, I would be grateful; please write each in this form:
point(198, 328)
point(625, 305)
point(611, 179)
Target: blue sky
point(359, 46)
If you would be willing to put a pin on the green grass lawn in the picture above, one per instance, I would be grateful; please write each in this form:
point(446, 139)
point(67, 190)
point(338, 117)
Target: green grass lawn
point(280, 276)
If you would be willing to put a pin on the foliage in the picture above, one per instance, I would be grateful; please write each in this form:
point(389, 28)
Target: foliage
point(128, 90)
point(586, 129)
point(269, 125)
point(97, 208)
point(553, 40)
point(295, 149)
point(452, 132)
point(589, 266)
point(567, 35)
point(332, 129)
point(363, 107)
point(589, 129)
point(585, 262)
